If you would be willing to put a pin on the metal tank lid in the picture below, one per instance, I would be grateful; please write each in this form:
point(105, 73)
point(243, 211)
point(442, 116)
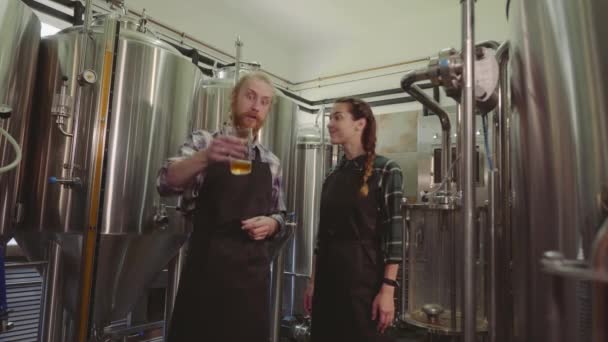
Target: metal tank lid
point(227, 72)
point(310, 135)
point(129, 26)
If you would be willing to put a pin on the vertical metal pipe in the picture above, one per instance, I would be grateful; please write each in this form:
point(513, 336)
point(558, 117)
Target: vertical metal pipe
point(323, 159)
point(445, 159)
point(276, 280)
point(277, 292)
point(468, 154)
point(85, 36)
point(494, 197)
point(237, 60)
point(50, 329)
point(175, 270)
point(404, 258)
point(499, 313)
point(459, 147)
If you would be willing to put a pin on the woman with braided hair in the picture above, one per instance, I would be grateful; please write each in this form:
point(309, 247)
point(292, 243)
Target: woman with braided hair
point(351, 294)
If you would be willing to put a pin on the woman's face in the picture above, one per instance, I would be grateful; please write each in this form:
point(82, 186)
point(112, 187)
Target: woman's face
point(343, 129)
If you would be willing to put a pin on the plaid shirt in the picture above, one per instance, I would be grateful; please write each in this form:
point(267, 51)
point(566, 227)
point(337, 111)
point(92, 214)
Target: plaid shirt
point(390, 182)
point(199, 140)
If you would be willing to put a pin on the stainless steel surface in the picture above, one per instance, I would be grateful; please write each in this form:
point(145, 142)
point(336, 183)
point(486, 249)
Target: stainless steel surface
point(51, 314)
point(152, 91)
point(308, 178)
point(309, 174)
point(468, 185)
point(116, 332)
point(500, 303)
point(506, 190)
point(599, 264)
point(559, 139)
point(277, 279)
point(20, 37)
point(175, 270)
point(435, 269)
point(24, 264)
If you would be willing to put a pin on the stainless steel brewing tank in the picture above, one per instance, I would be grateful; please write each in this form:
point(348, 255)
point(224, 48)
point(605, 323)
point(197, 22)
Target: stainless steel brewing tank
point(435, 269)
point(19, 37)
point(312, 162)
point(560, 155)
point(151, 97)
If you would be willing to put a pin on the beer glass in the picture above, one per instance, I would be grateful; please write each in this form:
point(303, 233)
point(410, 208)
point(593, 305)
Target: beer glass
point(240, 167)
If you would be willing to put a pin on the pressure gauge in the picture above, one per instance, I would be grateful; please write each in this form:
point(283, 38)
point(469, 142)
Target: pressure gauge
point(88, 77)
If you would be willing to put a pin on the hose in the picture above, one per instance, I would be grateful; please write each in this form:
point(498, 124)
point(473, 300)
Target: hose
point(15, 145)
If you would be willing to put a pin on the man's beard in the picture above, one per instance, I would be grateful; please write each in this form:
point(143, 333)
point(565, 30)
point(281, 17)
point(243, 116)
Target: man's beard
point(240, 121)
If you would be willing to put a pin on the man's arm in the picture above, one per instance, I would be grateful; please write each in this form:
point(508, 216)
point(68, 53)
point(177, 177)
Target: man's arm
point(182, 172)
point(188, 168)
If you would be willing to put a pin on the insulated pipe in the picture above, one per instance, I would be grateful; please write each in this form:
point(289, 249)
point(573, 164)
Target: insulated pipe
point(17, 149)
point(407, 84)
point(51, 321)
point(468, 158)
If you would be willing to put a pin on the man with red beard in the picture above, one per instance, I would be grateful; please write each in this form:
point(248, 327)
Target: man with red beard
point(224, 288)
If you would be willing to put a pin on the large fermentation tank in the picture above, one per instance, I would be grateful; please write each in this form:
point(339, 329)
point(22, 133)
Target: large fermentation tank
point(19, 37)
point(435, 279)
point(312, 162)
point(102, 179)
point(560, 158)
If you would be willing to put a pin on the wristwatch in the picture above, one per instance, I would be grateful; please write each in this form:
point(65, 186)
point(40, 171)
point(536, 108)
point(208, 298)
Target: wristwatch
point(390, 282)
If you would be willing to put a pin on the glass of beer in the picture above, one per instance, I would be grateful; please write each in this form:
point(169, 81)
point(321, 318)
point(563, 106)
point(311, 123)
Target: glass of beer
point(240, 167)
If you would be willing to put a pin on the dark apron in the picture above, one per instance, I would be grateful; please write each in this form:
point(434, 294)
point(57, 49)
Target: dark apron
point(349, 265)
point(224, 288)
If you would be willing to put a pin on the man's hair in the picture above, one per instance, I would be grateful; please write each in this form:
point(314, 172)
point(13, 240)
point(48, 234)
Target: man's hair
point(256, 75)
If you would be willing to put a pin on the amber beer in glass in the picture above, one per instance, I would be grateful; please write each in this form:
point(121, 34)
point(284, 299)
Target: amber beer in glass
point(241, 167)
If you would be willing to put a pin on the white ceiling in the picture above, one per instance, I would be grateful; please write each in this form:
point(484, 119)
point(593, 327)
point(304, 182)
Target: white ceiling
point(310, 23)
point(299, 39)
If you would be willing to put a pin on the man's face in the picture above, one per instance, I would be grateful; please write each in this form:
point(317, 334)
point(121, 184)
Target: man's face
point(253, 104)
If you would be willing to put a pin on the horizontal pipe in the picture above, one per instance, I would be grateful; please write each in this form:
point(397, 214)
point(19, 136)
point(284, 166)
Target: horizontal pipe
point(350, 73)
point(407, 84)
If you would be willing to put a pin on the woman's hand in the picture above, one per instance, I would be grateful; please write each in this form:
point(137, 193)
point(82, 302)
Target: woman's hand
point(383, 307)
point(308, 294)
point(260, 227)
